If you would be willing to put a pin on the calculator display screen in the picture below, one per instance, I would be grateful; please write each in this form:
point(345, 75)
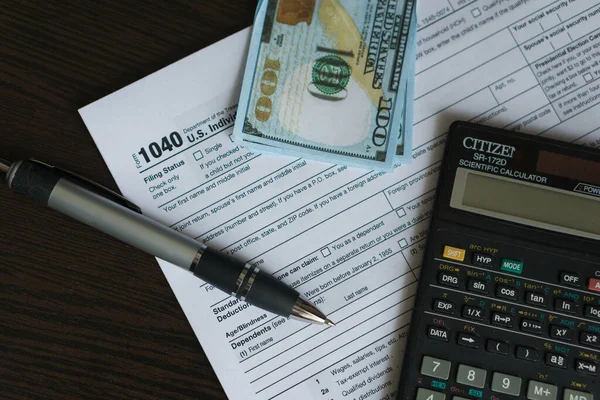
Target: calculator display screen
point(527, 203)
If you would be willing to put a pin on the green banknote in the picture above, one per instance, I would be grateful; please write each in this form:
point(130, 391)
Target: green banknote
point(327, 80)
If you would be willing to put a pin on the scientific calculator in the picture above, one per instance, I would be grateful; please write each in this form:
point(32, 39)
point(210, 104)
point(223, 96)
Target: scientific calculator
point(508, 305)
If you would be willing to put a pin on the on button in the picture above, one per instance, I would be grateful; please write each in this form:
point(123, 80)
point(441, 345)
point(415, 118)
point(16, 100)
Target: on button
point(594, 284)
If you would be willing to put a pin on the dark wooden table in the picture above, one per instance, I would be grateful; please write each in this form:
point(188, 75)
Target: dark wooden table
point(82, 315)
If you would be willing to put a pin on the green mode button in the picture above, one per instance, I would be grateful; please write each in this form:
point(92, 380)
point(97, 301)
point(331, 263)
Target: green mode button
point(516, 267)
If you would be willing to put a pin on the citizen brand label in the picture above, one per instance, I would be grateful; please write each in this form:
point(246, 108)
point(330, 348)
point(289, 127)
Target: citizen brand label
point(494, 148)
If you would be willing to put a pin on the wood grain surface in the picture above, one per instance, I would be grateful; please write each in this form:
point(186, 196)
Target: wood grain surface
point(82, 315)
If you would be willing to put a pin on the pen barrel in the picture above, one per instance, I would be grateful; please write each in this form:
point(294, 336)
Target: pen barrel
point(124, 224)
point(247, 282)
point(50, 187)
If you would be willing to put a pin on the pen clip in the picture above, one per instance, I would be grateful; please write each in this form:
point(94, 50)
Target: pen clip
point(93, 186)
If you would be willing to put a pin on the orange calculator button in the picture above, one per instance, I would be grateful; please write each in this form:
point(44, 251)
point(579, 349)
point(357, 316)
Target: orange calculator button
point(594, 284)
point(454, 253)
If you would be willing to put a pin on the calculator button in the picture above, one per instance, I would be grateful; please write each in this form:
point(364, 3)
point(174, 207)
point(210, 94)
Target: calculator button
point(443, 306)
point(468, 340)
point(494, 346)
point(506, 292)
point(586, 366)
point(525, 353)
point(560, 332)
point(482, 260)
point(435, 367)
point(570, 279)
point(454, 253)
point(426, 394)
point(471, 376)
point(541, 391)
point(478, 286)
point(592, 312)
point(535, 299)
point(590, 339)
point(512, 266)
point(565, 306)
point(448, 279)
point(556, 360)
point(475, 313)
point(594, 284)
point(506, 384)
point(435, 333)
point(531, 326)
point(500, 319)
point(459, 398)
point(571, 394)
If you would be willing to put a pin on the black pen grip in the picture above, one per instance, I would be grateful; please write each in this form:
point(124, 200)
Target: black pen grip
point(218, 269)
point(246, 282)
point(269, 293)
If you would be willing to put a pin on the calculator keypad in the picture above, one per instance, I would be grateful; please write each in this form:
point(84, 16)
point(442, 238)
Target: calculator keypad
point(500, 382)
point(541, 391)
point(467, 340)
point(532, 326)
point(506, 292)
point(435, 368)
point(471, 376)
point(556, 360)
point(528, 354)
point(571, 394)
point(587, 367)
point(446, 307)
point(590, 339)
point(478, 286)
point(497, 347)
point(426, 394)
point(437, 333)
point(504, 334)
point(535, 299)
point(507, 384)
point(565, 306)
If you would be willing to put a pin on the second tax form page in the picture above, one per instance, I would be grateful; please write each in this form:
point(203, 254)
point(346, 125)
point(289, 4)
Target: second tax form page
point(349, 240)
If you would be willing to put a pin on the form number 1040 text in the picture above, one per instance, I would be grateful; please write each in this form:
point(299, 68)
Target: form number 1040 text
point(156, 150)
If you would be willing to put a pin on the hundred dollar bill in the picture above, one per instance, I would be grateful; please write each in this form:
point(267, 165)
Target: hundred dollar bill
point(326, 80)
point(405, 136)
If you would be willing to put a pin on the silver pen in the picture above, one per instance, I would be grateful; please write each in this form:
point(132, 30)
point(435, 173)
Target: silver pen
point(111, 213)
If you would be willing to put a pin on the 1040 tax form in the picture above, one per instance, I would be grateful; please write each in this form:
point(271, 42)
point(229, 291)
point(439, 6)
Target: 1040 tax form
point(349, 240)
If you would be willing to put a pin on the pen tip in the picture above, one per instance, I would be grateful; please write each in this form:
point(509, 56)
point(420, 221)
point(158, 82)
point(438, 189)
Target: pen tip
point(328, 322)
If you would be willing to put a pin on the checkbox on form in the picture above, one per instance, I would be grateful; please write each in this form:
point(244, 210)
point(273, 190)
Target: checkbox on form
point(476, 12)
point(325, 252)
point(198, 155)
point(588, 77)
point(402, 243)
point(401, 212)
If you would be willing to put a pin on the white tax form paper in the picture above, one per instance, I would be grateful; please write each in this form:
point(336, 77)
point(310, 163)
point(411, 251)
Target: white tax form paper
point(349, 240)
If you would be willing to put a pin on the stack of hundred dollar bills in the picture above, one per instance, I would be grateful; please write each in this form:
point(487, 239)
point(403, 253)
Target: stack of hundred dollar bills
point(331, 80)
